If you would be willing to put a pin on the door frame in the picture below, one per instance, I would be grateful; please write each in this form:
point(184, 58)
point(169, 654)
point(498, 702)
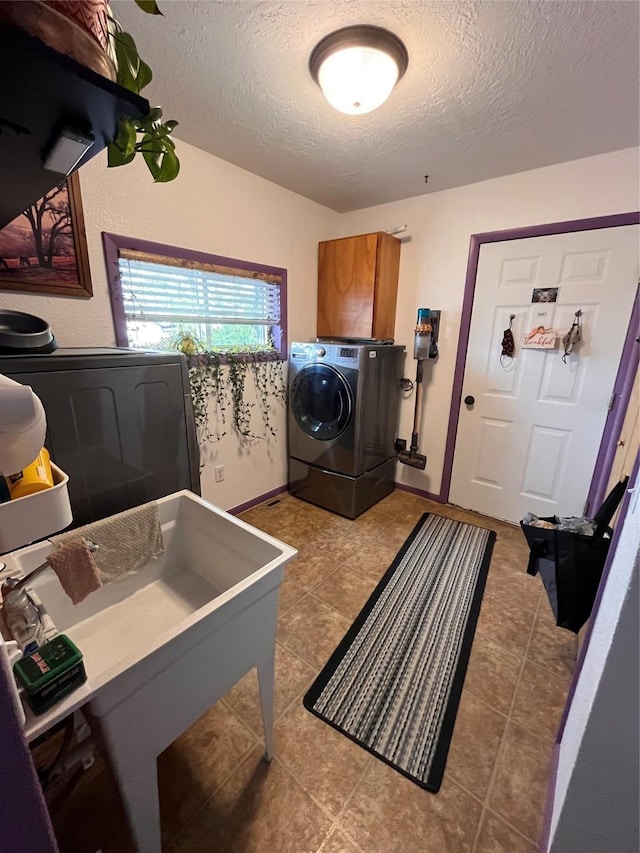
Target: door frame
point(625, 368)
point(622, 390)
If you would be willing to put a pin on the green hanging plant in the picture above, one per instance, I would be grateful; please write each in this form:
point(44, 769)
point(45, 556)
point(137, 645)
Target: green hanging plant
point(270, 386)
point(218, 383)
point(150, 135)
point(241, 409)
point(206, 385)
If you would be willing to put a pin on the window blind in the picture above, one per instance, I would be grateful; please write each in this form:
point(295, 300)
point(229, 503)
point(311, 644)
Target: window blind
point(157, 292)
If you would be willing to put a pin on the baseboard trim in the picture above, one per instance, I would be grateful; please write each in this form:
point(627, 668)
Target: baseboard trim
point(236, 510)
point(420, 492)
point(545, 835)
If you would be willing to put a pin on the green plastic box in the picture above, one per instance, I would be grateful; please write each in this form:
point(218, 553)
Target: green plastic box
point(50, 673)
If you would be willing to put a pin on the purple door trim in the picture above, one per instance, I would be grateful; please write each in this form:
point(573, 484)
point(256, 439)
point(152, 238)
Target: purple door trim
point(615, 419)
point(475, 243)
point(113, 242)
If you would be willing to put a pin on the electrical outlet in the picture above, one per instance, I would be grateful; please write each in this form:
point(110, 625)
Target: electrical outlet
point(219, 470)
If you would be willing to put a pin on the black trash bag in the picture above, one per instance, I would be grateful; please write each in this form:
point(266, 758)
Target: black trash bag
point(571, 564)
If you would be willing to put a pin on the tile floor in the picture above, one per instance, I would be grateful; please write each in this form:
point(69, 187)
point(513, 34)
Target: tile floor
point(322, 793)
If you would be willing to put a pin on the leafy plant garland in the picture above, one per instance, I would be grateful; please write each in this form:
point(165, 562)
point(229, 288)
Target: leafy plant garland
point(270, 383)
point(210, 384)
point(205, 380)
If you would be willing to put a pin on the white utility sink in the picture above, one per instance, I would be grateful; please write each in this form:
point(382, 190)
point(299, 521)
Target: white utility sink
point(162, 645)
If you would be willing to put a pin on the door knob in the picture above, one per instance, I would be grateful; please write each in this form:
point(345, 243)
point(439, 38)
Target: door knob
point(469, 400)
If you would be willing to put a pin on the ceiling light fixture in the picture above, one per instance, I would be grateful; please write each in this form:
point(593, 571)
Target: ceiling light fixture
point(357, 67)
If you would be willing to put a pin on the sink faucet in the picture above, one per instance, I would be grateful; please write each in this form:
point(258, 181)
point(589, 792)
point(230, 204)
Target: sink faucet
point(10, 584)
point(21, 614)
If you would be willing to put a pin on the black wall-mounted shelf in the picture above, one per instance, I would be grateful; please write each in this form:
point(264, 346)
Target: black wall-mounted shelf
point(42, 91)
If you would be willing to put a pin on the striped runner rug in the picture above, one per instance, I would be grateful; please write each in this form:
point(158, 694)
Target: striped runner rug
point(393, 684)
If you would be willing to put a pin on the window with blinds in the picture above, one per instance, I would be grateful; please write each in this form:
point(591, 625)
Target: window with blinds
point(223, 304)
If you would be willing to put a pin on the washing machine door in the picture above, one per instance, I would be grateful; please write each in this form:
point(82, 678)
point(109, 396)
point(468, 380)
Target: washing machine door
point(321, 402)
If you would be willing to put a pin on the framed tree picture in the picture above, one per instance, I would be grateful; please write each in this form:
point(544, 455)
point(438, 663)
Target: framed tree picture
point(44, 249)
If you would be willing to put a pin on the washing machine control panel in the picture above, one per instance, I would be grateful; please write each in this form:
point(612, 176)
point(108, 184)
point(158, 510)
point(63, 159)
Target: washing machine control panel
point(333, 353)
point(347, 353)
point(307, 352)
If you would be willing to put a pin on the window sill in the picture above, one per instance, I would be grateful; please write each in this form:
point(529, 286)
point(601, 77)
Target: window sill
point(204, 359)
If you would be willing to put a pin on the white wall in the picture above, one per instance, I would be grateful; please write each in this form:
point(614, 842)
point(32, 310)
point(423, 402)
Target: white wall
point(217, 207)
point(595, 805)
point(433, 261)
point(214, 207)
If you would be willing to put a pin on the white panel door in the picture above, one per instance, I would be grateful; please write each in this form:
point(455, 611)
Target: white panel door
point(530, 440)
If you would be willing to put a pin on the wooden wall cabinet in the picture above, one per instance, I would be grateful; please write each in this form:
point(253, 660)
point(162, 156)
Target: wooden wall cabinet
point(358, 286)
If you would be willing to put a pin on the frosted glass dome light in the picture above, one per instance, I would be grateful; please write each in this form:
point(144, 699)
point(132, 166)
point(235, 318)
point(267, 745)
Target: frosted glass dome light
point(357, 67)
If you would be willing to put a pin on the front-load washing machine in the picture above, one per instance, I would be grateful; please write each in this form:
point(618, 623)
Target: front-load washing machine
point(344, 403)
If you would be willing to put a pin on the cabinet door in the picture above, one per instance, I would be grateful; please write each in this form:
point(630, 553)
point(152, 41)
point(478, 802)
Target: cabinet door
point(346, 286)
point(386, 290)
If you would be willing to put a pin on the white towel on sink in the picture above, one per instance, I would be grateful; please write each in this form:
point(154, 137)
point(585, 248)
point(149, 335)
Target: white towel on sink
point(126, 541)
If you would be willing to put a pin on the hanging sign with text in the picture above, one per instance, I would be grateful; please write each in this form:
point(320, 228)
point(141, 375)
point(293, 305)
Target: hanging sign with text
point(540, 338)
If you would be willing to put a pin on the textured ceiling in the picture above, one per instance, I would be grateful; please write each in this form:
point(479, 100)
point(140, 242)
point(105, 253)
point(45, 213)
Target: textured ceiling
point(492, 88)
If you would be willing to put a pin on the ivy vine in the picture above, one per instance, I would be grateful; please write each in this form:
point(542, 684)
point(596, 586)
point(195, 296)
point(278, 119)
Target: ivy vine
point(241, 409)
point(218, 383)
point(270, 387)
